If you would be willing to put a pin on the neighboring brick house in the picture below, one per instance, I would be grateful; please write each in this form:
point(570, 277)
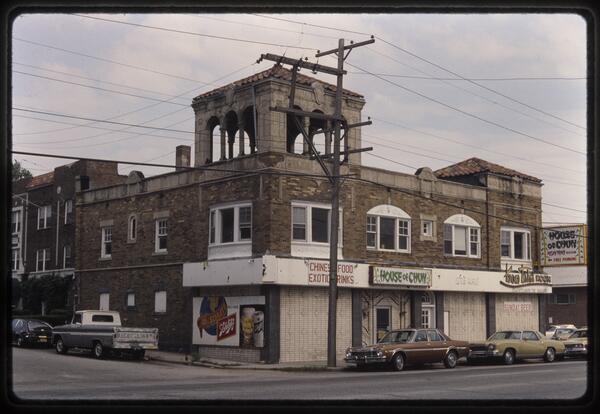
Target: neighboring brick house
point(230, 258)
point(43, 218)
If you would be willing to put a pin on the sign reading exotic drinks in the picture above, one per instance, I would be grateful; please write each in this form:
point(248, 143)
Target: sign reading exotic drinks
point(564, 246)
point(523, 276)
point(400, 277)
point(318, 273)
point(229, 321)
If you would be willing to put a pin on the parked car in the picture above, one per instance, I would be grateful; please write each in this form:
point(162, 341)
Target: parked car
point(508, 346)
point(409, 346)
point(576, 345)
point(552, 329)
point(563, 333)
point(31, 332)
point(101, 331)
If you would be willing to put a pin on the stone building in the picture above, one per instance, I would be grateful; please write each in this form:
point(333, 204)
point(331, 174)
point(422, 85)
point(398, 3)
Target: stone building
point(230, 258)
point(43, 218)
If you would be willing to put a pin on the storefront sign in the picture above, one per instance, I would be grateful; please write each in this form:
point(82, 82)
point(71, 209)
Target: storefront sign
point(318, 273)
point(524, 277)
point(518, 307)
point(229, 321)
point(400, 277)
point(564, 246)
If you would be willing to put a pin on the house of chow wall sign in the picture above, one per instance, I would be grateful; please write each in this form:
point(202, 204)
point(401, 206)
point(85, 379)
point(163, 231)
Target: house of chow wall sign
point(564, 246)
point(400, 276)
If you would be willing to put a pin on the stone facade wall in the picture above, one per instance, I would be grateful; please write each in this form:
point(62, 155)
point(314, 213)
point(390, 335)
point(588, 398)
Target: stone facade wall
point(303, 329)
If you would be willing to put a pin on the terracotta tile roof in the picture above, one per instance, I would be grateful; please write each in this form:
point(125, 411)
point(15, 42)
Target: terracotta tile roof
point(276, 72)
point(40, 180)
point(476, 165)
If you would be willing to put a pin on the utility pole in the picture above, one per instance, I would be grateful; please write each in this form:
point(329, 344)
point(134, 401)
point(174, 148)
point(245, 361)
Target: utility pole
point(334, 175)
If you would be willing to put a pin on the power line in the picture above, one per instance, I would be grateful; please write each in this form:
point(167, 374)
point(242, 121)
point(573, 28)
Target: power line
point(468, 113)
point(520, 78)
point(310, 24)
point(194, 33)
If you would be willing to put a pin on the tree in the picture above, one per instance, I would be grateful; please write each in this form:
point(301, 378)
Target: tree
point(19, 172)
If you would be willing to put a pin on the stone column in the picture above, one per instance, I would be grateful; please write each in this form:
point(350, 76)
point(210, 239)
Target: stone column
point(241, 130)
point(306, 126)
point(415, 309)
point(230, 142)
point(490, 314)
point(356, 318)
point(271, 351)
point(328, 138)
point(223, 144)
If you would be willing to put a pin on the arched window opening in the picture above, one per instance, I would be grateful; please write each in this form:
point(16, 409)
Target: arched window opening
point(294, 134)
point(248, 117)
point(214, 133)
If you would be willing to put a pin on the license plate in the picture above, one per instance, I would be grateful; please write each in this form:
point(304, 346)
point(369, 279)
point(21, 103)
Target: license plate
point(43, 339)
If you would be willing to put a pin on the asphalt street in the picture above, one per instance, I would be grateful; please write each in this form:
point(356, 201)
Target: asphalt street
point(41, 374)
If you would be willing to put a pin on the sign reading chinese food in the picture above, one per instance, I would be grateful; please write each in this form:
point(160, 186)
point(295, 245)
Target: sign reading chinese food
point(564, 246)
point(318, 273)
point(400, 277)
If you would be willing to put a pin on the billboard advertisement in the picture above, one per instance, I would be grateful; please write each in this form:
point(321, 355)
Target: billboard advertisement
point(229, 321)
point(564, 246)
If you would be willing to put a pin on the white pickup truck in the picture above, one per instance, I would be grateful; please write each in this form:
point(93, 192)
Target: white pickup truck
point(101, 331)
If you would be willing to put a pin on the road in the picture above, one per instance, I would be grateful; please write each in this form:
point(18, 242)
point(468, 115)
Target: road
point(41, 374)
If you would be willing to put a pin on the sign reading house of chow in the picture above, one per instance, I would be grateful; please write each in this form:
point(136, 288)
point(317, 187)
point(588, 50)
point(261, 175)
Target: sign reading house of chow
point(564, 246)
point(400, 276)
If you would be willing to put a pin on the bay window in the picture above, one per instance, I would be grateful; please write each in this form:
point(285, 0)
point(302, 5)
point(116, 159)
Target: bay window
point(230, 224)
point(462, 237)
point(388, 228)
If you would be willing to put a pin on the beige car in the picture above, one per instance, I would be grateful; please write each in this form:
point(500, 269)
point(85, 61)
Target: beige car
point(577, 344)
point(508, 346)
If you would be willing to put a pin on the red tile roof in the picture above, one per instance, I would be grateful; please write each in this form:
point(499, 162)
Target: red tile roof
point(40, 180)
point(476, 165)
point(275, 72)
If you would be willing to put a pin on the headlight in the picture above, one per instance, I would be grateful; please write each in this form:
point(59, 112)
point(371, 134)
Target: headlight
point(379, 354)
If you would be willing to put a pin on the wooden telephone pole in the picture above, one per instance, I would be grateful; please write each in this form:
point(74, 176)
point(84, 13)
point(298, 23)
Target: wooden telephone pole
point(334, 175)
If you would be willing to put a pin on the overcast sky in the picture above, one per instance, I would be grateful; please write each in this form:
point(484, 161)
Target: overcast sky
point(506, 114)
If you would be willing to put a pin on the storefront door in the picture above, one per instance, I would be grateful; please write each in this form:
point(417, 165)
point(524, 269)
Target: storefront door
point(383, 322)
point(427, 310)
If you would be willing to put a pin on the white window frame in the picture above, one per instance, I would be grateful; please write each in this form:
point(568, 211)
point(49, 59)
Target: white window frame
point(132, 228)
point(399, 216)
point(104, 241)
point(16, 224)
point(65, 256)
point(45, 213)
point(160, 301)
point(527, 243)
point(160, 230)
point(16, 259)
point(308, 207)
point(45, 259)
point(469, 225)
point(215, 224)
point(427, 228)
point(104, 301)
point(130, 303)
point(68, 210)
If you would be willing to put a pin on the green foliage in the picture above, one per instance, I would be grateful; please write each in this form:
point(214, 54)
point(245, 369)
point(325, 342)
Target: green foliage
point(51, 289)
point(19, 172)
point(16, 291)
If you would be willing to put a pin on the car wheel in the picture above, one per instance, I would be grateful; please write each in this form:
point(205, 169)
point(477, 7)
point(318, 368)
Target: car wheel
point(509, 357)
point(549, 355)
point(451, 360)
point(398, 362)
point(60, 346)
point(139, 354)
point(98, 350)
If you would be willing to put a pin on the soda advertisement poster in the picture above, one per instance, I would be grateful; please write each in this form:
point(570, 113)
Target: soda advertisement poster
point(228, 320)
point(564, 246)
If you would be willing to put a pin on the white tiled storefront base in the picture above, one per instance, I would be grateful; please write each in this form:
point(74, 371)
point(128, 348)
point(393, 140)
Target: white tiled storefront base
point(466, 315)
point(519, 320)
point(303, 323)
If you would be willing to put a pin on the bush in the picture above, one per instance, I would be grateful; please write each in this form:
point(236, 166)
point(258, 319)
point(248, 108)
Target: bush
point(51, 289)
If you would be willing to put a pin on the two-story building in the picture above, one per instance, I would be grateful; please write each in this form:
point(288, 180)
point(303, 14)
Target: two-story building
point(43, 218)
point(230, 258)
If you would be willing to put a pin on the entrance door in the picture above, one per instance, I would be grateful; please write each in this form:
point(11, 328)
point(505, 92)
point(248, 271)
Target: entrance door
point(383, 322)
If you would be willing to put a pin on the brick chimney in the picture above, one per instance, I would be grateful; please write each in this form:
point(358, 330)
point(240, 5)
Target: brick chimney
point(182, 156)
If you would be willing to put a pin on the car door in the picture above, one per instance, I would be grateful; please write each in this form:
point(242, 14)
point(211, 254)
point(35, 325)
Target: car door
point(532, 345)
point(421, 347)
point(437, 348)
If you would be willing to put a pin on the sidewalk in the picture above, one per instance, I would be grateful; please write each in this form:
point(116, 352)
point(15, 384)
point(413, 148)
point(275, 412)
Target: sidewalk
point(180, 358)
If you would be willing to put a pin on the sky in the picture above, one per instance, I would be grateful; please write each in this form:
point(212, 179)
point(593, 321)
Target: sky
point(439, 88)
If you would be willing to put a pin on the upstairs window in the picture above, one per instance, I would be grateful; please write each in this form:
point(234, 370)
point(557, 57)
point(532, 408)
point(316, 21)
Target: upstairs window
point(160, 241)
point(388, 228)
point(42, 260)
point(132, 228)
point(15, 259)
point(160, 301)
point(68, 211)
point(515, 244)
point(44, 215)
point(462, 237)
point(106, 248)
point(312, 223)
point(16, 222)
point(67, 263)
point(230, 224)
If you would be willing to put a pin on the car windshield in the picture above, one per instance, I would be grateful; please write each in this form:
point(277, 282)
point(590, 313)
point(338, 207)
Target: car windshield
point(563, 331)
point(37, 324)
point(397, 336)
point(579, 334)
point(506, 335)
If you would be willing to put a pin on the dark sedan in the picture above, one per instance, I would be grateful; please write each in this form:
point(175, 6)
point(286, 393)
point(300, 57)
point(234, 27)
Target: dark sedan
point(31, 332)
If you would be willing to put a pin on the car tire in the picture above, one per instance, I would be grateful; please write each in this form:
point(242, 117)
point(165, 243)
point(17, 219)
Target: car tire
point(398, 362)
point(139, 355)
point(550, 355)
point(451, 359)
point(508, 357)
point(98, 350)
point(60, 346)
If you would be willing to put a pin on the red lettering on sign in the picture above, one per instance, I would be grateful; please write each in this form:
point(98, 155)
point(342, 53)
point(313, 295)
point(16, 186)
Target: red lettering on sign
point(226, 327)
